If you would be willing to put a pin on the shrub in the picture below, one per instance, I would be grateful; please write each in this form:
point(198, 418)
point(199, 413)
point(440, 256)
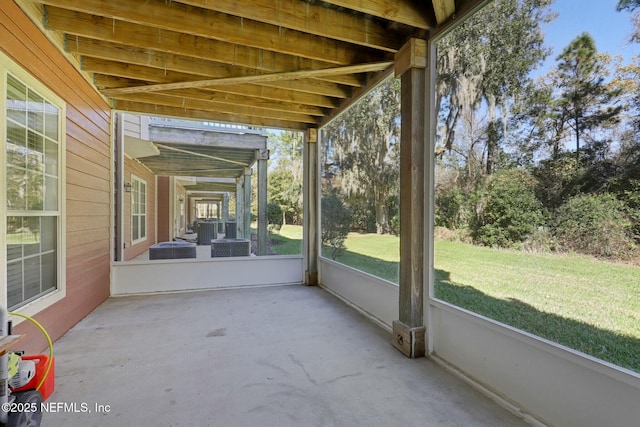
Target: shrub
point(336, 221)
point(594, 224)
point(509, 211)
point(448, 208)
point(274, 216)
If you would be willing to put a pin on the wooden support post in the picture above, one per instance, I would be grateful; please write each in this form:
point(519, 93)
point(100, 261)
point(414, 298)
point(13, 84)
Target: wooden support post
point(409, 330)
point(225, 207)
point(239, 207)
point(263, 156)
point(247, 205)
point(118, 124)
point(311, 206)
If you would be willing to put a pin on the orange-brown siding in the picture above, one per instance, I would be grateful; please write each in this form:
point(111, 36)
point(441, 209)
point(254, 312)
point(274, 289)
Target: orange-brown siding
point(88, 175)
point(133, 167)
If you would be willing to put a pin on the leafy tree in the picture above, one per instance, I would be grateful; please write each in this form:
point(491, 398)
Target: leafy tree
point(510, 212)
point(274, 216)
point(285, 175)
point(556, 180)
point(627, 81)
point(336, 222)
point(594, 224)
point(627, 4)
point(448, 208)
point(541, 121)
point(362, 153)
point(488, 58)
point(584, 100)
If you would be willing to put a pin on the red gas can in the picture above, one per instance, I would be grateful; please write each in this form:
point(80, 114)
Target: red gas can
point(42, 362)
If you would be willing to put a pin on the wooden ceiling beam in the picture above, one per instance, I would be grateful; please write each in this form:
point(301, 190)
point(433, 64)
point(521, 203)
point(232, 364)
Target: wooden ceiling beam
point(443, 9)
point(291, 90)
point(258, 91)
point(103, 50)
point(132, 71)
point(167, 111)
point(309, 18)
point(310, 86)
point(226, 98)
point(165, 64)
point(293, 75)
point(174, 65)
point(88, 35)
point(174, 16)
point(403, 11)
point(219, 107)
point(127, 71)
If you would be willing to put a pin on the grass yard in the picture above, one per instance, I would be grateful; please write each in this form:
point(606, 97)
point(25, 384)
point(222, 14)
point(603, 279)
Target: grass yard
point(287, 241)
point(375, 254)
point(589, 305)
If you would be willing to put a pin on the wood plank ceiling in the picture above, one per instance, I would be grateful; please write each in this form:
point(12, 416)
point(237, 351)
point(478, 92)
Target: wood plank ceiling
point(271, 63)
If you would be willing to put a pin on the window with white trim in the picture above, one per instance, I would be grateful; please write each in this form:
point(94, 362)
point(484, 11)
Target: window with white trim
point(138, 209)
point(32, 162)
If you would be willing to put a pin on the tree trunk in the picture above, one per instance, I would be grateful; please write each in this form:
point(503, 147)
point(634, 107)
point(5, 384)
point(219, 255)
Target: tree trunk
point(382, 215)
point(492, 147)
point(576, 122)
point(492, 137)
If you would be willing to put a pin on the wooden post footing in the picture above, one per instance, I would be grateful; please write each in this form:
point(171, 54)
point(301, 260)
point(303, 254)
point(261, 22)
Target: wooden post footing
point(311, 278)
point(409, 340)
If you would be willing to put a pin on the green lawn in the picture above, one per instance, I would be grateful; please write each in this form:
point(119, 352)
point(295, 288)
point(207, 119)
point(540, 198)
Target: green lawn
point(287, 241)
point(590, 305)
point(373, 253)
point(586, 304)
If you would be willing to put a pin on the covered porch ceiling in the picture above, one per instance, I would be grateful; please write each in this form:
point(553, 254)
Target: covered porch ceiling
point(177, 159)
point(289, 64)
point(204, 157)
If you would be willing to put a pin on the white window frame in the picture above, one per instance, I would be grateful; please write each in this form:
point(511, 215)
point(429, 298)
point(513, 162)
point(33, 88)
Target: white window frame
point(136, 182)
point(7, 66)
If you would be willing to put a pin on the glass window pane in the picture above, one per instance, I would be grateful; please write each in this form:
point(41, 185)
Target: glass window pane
point(51, 157)
point(51, 187)
point(35, 152)
point(35, 191)
point(31, 277)
point(134, 202)
point(35, 111)
point(16, 100)
point(49, 276)
point(31, 235)
point(14, 237)
point(51, 121)
point(14, 283)
point(48, 233)
point(16, 145)
point(16, 188)
point(134, 228)
point(143, 226)
point(143, 203)
point(14, 251)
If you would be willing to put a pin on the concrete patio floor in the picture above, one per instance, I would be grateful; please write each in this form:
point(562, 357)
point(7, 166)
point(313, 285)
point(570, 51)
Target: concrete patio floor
point(272, 356)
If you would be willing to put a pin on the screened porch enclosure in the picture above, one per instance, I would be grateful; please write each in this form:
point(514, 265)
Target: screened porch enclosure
point(294, 65)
